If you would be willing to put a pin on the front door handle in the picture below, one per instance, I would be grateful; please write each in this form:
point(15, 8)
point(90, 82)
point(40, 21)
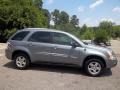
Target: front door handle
point(55, 47)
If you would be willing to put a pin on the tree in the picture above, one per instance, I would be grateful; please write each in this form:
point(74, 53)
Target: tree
point(116, 32)
point(101, 35)
point(108, 26)
point(88, 35)
point(64, 17)
point(38, 3)
point(18, 14)
point(59, 18)
point(83, 29)
point(56, 16)
point(74, 20)
point(48, 16)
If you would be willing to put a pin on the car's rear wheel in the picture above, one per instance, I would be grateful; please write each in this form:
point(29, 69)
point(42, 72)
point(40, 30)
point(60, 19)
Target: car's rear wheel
point(94, 67)
point(21, 61)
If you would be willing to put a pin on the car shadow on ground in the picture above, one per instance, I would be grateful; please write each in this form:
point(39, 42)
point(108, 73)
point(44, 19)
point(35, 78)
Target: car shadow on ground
point(57, 68)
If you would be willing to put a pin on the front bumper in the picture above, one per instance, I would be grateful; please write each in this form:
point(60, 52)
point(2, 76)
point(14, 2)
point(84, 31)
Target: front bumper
point(112, 63)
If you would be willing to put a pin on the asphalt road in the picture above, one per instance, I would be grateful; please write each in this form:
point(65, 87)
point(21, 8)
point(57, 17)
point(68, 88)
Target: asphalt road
point(47, 77)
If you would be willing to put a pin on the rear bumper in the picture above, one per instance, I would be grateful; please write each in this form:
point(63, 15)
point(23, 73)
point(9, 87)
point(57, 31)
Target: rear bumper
point(8, 54)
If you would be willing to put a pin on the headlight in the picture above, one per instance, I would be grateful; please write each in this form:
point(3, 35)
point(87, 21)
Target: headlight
point(110, 55)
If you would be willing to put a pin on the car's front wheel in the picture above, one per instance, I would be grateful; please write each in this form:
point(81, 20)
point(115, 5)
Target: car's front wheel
point(21, 61)
point(94, 67)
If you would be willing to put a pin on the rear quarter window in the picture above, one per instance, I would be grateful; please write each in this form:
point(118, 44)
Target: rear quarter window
point(20, 36)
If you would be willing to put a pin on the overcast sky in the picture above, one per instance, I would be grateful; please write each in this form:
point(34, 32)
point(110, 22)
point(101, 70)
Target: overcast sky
point(90, 12)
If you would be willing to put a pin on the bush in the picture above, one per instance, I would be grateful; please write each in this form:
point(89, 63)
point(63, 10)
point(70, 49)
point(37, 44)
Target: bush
point(88, 35)
point(101, 36)
point(4, 36)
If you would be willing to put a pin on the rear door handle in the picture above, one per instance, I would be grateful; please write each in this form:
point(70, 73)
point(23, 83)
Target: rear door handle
point(30, 44)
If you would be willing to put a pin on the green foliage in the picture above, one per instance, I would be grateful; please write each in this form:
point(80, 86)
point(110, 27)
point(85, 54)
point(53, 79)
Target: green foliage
point(88, 35)
point(48, 16)
point(83, 29)
point(38, 3)
point(108, 26)
point(56, 16)
point(63, 22)
point(74, 20)
point(116, 32)
point(61, 18)
point(20, 14)
point(101, 35)
point(9, 33)
point(64, 17)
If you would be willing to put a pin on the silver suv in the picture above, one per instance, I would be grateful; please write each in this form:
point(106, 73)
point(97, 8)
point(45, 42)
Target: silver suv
point(57, 47)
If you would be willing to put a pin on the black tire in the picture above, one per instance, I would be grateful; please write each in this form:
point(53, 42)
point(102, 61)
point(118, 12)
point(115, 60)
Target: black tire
point(91, 71)
point(25, 59)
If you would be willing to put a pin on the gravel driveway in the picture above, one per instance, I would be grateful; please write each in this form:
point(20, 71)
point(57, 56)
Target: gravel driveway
point(46, 77)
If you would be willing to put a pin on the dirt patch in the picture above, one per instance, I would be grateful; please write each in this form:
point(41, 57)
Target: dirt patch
point(47, 77)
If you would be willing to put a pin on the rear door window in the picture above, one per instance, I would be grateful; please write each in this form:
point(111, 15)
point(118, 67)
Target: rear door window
point(43, 37)
point(20, 36)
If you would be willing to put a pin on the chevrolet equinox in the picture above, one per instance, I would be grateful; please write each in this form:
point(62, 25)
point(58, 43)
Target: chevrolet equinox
point(32, 45)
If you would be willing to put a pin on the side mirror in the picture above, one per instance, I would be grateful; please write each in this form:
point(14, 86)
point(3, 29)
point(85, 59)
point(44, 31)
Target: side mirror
point(85, 43)
point(73, 44)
